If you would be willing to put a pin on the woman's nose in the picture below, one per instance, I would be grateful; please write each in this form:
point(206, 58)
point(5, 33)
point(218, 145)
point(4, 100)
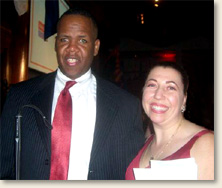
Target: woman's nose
point(159, 94)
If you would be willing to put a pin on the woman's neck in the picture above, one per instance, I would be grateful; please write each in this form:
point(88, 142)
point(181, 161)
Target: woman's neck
point(164, 132)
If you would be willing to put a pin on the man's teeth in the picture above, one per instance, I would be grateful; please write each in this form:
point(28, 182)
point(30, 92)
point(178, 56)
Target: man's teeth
point(159, 108)
point(72, 60)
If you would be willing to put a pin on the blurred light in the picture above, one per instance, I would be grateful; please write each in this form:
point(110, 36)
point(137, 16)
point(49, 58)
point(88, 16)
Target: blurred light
point(142, 18)
point(156, 0)
point(22, 68)
point(166, 56)
point(169, 55)
point(156, 5)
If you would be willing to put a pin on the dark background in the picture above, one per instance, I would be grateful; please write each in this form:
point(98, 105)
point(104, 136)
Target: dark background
point(184, 29)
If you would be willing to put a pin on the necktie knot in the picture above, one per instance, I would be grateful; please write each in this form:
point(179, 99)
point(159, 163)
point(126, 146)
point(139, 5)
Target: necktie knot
point(67, 86)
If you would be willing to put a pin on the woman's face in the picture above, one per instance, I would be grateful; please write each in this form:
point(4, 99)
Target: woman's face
point(163, 95)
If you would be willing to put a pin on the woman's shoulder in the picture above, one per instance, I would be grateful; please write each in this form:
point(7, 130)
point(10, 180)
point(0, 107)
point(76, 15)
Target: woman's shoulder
point(197, 130)
point(203, 152)
point(198, 135)
point(204, 138)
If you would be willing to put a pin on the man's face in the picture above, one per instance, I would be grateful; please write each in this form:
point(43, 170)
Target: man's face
point(76, 45)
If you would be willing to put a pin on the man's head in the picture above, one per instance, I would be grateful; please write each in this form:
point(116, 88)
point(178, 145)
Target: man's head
point(76, 42)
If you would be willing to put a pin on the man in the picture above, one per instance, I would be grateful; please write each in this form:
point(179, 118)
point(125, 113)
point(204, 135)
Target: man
point(106, 127)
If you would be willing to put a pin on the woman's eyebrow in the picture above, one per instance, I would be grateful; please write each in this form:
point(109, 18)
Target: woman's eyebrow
point(168, 82)
point(151, 79)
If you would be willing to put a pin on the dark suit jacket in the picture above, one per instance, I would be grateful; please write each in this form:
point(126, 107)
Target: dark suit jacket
point(117, 138)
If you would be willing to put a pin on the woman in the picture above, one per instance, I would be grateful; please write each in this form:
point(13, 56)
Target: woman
point(164, 102)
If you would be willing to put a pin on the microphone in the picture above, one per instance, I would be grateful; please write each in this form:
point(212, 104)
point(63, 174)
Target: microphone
point(18, 136)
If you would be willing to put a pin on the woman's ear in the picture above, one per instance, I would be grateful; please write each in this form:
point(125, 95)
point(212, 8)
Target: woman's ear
point(185, 99)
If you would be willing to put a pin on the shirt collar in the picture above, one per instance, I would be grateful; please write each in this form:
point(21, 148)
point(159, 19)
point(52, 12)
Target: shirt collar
point(82, 79)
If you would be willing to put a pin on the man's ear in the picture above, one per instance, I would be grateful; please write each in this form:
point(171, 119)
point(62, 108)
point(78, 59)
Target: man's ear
point(55, 48)
point(96, 47)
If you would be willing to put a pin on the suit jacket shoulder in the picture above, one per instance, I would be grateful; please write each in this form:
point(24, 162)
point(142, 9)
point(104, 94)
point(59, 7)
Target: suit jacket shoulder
point(115, 93)
point(34, 84)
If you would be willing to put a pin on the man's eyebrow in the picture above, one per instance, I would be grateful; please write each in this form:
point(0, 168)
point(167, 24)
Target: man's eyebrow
point(83, 35)
point(62, 35)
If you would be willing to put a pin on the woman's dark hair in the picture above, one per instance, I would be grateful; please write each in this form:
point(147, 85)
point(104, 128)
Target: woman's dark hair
point(176, 66)
point(82, 12)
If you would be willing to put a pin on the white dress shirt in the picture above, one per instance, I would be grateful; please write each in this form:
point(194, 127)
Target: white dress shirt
point(83, 95)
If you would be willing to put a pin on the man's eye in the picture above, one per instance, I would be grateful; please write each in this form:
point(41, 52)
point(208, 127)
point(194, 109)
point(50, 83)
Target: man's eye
point(83, 41)
point(64, 40)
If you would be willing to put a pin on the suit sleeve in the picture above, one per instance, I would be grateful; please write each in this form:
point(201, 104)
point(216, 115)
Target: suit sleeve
point(7, 132)
point(136, 133)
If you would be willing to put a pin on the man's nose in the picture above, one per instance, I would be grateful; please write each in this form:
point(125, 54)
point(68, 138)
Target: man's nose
point(73, 47)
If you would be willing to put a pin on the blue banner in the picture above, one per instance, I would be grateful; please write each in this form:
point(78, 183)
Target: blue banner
point(51, 17)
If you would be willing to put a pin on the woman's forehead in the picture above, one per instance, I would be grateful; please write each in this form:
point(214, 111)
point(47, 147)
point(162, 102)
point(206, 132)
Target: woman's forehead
point(167, 73)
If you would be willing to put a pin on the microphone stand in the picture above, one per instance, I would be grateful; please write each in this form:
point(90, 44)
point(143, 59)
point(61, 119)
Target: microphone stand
point(18, 137)
point(18, 146)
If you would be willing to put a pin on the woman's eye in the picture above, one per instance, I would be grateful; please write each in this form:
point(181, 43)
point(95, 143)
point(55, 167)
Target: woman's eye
point(83, 41)
point(171, 88)
point(151, 85)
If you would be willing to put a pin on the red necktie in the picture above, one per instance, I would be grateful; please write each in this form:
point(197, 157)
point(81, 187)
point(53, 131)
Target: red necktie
point(61, 135)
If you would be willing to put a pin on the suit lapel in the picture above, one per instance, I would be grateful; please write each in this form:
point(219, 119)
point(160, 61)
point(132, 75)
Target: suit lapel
point(43, 100)
point(105, 116)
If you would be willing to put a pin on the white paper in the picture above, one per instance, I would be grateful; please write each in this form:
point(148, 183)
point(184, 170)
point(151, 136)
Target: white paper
point(179, 169)
point(21, 6)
